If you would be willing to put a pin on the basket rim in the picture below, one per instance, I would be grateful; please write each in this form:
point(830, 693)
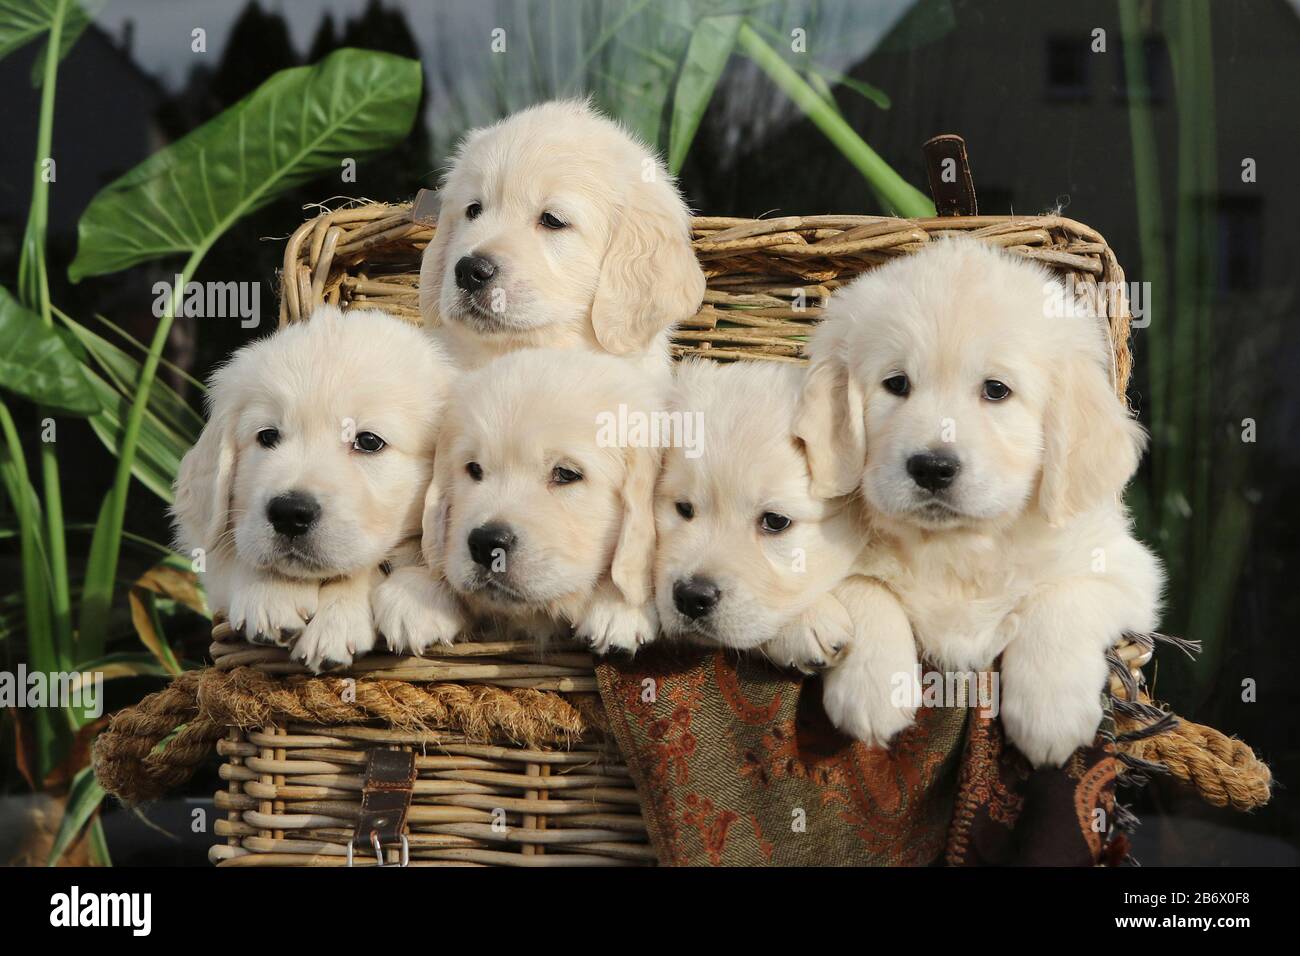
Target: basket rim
point(839, 243)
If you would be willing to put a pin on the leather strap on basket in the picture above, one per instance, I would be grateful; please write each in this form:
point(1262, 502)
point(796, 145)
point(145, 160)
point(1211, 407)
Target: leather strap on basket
point(385, 797)
point(424, 211)
point(951, 184)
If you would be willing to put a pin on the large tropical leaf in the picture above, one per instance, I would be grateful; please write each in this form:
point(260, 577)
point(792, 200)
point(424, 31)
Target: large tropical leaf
point(22, 21)
point(76, 18)
point(298, 124)
point(706, 57)
point(36, 363)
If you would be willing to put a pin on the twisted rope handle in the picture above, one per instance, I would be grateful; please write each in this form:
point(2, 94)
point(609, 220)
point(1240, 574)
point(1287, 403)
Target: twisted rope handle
point(1222, 770)
point(159, 743)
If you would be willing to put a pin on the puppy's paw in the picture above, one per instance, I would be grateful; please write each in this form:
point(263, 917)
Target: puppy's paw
point(1049, 723)
point(270, 610)
point(612, 625)
point(413, 611)
point(817, 639)
point(862, 705)
point(342, 630)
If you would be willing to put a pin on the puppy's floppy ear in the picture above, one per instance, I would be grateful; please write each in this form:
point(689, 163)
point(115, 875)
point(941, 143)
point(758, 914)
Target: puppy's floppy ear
point(1092, 444)
point(432, 266)
point(633, 565)
point(204, 481)
point(437, 505)
point(650, 278)
point(829, 422)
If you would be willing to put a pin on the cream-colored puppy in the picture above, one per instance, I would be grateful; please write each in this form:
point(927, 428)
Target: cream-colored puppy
point(541, 510)
point(748, 557)
point(979, 424)
point(309, 475)
point(558, 230)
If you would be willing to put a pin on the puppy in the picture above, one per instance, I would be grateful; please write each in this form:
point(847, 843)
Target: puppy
point(558, 230)
point(541, 513)
point(748, 557)
point(981, 429)
point(309, 474)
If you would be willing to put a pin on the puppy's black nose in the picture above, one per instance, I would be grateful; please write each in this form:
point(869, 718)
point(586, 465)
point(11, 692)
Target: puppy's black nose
point(695, 597)
point(474, 272)
point(292, 513)
point(489, 543)
point(933, 470)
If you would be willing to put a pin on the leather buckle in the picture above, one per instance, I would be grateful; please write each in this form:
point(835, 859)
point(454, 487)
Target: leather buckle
point(375, 845)
point(385, 802)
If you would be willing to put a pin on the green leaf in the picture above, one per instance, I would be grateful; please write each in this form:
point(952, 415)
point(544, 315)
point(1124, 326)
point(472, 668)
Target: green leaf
point(84, 799)
point(173, 579)
point(36, 363)
point(169, 426)
point(22, 21)
point(706, 57)
point(52, 733)
point(159, 449)
point(897, 195)
point(298, 124)
point(865, 90)
point(114, 666)
point(76, 18)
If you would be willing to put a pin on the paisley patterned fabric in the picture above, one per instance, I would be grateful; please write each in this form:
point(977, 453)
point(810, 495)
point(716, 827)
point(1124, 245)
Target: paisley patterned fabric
point(737, 765)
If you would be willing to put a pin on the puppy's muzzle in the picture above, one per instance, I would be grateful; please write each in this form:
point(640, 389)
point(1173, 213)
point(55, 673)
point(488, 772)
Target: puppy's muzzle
point(696, 597)
point(490, 543)
point(933, 471)
point(293, 513)
point(474, 272)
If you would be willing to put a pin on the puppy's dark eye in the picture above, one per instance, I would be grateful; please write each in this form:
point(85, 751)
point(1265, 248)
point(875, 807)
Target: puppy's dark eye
point(368, 442)
point(686, 510)
point(995, 391)
point(565, 476)
point(268, 437)
point(897, 385)
point(773, 523)
point(474, 470)
point(552, 221)
point(473, 210)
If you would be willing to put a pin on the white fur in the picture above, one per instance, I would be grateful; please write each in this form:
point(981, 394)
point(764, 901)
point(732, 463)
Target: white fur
point(1029, 553)
point(320, 384)
point(788, 593)
point(584, 549)
point(614, 280)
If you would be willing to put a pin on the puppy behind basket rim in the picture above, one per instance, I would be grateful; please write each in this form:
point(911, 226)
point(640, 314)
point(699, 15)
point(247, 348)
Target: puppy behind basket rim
point(558, 229)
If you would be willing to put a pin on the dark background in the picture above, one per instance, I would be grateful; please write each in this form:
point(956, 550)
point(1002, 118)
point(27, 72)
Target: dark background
point(1047, 123)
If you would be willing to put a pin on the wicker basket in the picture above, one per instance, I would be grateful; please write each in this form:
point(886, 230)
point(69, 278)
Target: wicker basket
point(485, 791)
point(480, 797)
point(292, 786)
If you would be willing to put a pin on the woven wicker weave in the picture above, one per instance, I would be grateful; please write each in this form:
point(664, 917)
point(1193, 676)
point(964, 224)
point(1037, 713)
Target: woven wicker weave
point(768, 279)
point(293, 786)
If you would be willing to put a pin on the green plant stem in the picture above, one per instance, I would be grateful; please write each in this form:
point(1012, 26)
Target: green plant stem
point(34, 288)
point(98, 595)
point(898, 196)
